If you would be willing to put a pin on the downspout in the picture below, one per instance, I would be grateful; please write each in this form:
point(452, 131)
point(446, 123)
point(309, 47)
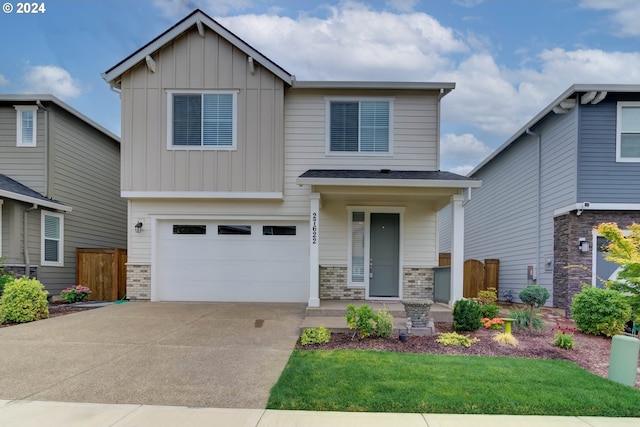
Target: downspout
point(25, 237)
point(538, 197)
point(46, 147)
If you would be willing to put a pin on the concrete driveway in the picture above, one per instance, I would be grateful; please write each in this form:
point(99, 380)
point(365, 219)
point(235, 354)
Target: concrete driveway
point(225, 355)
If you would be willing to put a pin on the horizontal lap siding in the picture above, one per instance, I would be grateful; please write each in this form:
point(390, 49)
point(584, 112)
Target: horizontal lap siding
point(202, 63)
point(601, 179)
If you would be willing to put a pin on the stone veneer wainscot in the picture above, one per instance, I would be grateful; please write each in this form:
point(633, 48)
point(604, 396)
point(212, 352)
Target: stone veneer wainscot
point(138, 281)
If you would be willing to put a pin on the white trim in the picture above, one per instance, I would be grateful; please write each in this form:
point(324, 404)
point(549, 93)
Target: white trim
point(34, 137)
point(60, 262)
point(314, 250)
point(330, 99)
point(226, 217)
point(35, 201)
point(1, 203)
point(620, 106)
point(588, 206)
point(221, 195)
point(234, 130)
point(368, 210)
point(594, 253)
point(375, 182)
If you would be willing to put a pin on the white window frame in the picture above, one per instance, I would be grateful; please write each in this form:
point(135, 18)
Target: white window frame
point(234, 144)
point(594, 253)
point(329, 100)
point(19, 130)
point(619, 158)
point(60, 262)
point(368, 210)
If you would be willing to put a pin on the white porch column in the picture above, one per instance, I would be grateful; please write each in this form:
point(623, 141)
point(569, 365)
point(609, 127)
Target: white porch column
point(314, 253)
point(457, 247)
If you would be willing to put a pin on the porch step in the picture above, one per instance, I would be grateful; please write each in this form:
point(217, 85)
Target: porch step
point(337, 308)
point(338, 324)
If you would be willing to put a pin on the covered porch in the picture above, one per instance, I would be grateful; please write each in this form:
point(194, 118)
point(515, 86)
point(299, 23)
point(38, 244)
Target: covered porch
point(373, 233)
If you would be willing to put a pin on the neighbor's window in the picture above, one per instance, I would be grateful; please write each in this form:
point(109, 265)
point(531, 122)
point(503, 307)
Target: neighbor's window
point(628, 132)
point(26, 125)
point(202, 120)
point(357, 247)
point(52, 246)
point(234, 229)
point(362, 126)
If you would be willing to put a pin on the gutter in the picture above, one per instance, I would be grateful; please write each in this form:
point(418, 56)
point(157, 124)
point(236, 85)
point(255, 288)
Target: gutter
point(25, 237)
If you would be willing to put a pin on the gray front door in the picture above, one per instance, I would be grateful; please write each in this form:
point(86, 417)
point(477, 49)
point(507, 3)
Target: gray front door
point(384, 251)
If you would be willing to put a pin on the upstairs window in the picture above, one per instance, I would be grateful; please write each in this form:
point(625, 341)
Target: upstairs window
point(628, 132)
point(202, 120)
point(359, 126)
point(26, 125)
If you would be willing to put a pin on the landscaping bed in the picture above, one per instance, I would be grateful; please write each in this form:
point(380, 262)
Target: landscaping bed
point(591, 352)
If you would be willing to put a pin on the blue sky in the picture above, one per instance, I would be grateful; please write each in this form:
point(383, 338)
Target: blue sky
point(509, 59)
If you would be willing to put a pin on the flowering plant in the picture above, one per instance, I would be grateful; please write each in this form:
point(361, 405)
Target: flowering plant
point(75, 293)
point(563, 337)
point(495, 323)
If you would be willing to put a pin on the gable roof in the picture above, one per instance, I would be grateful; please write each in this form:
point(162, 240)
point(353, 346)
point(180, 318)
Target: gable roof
point(34, 99)
point(196, 18)
point(12, 189)
point(592, 93)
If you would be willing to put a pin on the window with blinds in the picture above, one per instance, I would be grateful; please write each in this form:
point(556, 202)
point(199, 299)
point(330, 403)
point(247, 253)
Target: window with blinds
point(359, 126)
point(203, 120)
point(52, 241)
point(628, 137)
point(26, 125)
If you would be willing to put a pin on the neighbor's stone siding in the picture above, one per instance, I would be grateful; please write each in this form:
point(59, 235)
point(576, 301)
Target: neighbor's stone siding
point(138, 282)
point(333, 284)
point(568, 228)
point(417, 283)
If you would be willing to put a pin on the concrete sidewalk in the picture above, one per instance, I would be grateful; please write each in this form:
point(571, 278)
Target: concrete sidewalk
point(21, 413)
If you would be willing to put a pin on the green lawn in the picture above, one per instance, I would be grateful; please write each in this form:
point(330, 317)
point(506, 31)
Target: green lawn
point(348, 380)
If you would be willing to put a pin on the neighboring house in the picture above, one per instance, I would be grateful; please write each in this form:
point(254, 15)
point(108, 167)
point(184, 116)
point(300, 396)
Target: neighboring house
point(252, 186)
point(573, 166)
point(59, 188)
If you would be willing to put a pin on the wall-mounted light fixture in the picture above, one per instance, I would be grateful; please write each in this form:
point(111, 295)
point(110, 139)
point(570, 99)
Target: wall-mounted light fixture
point(583, 245)
point(138, 227)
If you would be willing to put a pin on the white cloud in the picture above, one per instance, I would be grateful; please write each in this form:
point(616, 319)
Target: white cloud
point(51, 79)
point(460, 150)
point(3, 80)
point(625, 14)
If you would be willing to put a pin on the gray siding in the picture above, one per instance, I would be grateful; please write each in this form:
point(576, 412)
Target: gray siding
point(600, 178)
point(444, 229)
point(24, 164)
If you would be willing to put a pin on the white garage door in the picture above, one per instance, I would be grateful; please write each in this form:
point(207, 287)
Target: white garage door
point(264, 261)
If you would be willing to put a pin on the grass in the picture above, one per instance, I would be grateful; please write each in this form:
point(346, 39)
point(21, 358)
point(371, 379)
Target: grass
point(370, 381)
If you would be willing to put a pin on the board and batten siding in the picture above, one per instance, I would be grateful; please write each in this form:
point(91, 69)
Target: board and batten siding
point(600, 178)
point(192, 62)
point(23, 164)
point(86, 176)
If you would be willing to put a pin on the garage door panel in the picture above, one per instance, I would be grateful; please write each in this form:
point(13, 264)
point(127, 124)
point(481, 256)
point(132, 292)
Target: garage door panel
point(216, 267)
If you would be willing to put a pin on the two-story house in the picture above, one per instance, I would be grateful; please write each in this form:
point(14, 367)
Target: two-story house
point(247, 185)
point(59, 188)
point(575, 165)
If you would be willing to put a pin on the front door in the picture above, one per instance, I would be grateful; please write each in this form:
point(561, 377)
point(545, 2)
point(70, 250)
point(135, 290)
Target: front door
point(384, 254)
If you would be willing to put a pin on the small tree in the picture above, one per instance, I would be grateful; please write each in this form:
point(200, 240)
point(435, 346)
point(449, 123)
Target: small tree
point(624, 251)
point(534, 296)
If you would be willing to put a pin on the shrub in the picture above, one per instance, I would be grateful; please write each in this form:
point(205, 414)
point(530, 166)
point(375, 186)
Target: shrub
point(467, 315)
point(5, 276)
point(523, 318)
point(319, 335)
point(75, 293)
point(563, 340)
point(600, 311)
point(384, 323)
point(490, 310)
point(534, 296)
point(488, 296)
point(506, 339)
point(24, 300)
point(453, 338)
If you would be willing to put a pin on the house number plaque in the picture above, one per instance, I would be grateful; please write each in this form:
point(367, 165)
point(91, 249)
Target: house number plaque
point(314, 228)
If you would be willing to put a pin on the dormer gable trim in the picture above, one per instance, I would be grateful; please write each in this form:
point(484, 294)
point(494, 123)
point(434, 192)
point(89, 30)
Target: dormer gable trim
point(199, 19)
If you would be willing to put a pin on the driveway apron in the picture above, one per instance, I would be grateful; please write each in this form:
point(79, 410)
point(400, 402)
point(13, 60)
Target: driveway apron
point(224, 355)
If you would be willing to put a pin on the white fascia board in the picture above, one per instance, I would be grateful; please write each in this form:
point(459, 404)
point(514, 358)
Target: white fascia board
point(372, 182)
point(221, 195)
point(588, 206)
point(447, 86)
point(115, 72)
point(34, 201)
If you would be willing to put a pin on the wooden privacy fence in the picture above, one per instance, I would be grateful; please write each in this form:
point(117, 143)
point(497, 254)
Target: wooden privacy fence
point(478, 276)
point(103, 271)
